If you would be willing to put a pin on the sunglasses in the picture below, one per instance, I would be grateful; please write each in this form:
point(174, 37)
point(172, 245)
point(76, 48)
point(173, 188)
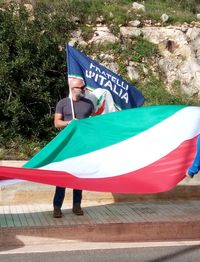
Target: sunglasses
point(79, 87)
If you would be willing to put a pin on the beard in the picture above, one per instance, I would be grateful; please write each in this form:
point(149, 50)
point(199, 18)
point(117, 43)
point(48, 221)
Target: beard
point(79, 94)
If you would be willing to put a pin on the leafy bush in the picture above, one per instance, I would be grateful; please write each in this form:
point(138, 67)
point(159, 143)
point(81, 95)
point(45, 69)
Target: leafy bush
point(32, 71)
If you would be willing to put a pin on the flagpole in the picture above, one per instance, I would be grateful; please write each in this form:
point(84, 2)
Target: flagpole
point(70, 93)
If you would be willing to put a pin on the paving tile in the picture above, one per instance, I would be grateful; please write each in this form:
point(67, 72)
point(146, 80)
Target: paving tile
point(16, 218)
point(8, 216)
point(3, 220)
point(41, 215)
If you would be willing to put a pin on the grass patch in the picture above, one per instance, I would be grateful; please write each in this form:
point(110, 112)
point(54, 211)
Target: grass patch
point(178, 10)
point(155, 93)
point(142, 49)
point(20, 148)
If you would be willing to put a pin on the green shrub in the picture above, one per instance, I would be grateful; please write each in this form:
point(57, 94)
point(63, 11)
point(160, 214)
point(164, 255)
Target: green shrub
point(32, 71)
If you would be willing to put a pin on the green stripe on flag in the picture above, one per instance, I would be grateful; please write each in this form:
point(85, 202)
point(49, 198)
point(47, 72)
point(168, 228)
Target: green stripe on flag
point(87, 135)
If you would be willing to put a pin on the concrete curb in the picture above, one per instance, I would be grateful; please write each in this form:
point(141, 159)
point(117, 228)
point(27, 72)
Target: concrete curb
point(131, 232)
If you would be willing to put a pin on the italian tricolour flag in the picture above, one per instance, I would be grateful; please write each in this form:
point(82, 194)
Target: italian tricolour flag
point(140, 150)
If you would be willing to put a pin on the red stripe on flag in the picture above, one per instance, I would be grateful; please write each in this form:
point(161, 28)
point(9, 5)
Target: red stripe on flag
point(100, 109)
point(159, 176)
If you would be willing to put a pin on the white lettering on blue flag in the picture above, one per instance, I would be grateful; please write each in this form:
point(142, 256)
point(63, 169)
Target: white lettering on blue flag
point(105, 80)
point(97, 76)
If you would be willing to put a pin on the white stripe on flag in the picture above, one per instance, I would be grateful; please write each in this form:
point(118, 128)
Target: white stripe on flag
point(136, 152)
point(8, 182)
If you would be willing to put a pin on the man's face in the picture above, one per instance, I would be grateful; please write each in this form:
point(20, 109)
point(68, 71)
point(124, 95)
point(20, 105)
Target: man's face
point(77, 88)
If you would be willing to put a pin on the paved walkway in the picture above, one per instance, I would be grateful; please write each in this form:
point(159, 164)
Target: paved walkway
point(145, 221)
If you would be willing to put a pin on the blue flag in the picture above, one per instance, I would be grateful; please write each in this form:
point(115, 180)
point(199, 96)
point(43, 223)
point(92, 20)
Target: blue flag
point(97, 77)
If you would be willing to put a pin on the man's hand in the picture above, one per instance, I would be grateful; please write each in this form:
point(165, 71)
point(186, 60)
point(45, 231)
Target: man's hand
point(188, 175)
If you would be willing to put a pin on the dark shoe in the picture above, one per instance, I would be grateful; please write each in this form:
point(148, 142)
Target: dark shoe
point(57, 213)
point(77, 210)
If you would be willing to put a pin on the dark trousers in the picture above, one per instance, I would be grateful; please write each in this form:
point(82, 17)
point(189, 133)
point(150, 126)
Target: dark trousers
point(60, 195)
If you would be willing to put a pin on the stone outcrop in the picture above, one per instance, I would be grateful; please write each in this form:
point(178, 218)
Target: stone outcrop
point(180, 61)
point(103, 35)
point(179, 48)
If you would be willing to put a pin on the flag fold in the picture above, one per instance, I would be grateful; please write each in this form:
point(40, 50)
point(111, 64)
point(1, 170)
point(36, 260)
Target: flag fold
point(140, 150)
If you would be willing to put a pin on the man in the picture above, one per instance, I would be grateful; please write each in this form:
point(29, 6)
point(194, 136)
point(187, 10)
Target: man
point(82, 108)
point(195, 167)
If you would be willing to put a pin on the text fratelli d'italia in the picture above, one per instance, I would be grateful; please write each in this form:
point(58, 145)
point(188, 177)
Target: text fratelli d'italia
point(107, 80)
